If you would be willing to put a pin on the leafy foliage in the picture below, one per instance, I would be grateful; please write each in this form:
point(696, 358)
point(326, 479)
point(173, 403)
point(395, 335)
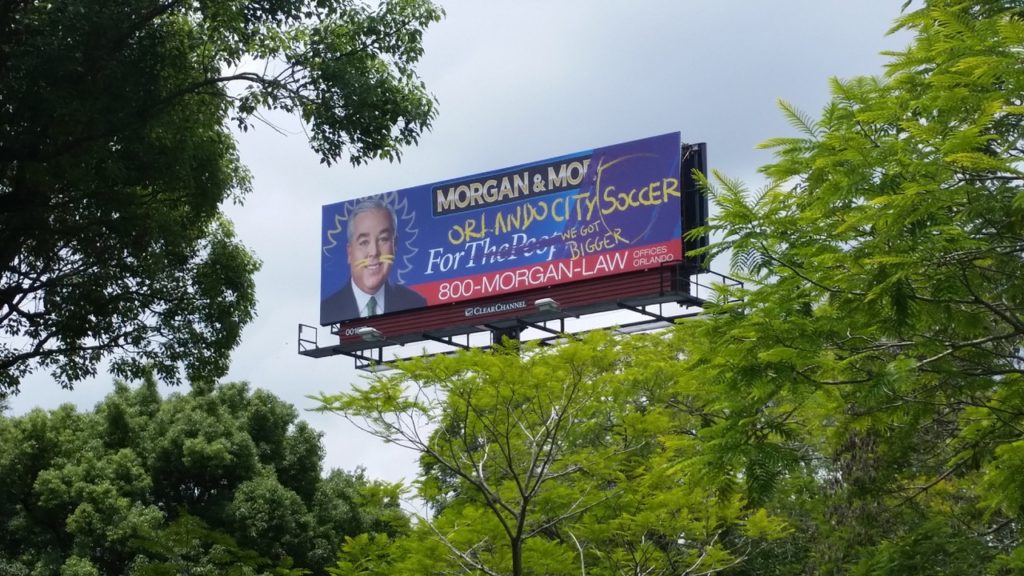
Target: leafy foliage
point(222, 481)
point(551, 461)
point(867, 378)
point(115, 157)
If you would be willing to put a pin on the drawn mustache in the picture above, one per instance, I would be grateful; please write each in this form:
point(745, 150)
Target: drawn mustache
point(385, 258)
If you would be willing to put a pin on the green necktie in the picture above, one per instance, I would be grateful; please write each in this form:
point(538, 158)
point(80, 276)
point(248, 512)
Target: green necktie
point(371, 306)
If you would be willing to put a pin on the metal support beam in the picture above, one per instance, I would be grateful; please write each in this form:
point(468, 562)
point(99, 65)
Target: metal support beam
point(645, 312)
point(448, 340)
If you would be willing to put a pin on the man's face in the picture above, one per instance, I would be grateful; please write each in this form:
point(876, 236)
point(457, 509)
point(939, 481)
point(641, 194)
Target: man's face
point(372, 249)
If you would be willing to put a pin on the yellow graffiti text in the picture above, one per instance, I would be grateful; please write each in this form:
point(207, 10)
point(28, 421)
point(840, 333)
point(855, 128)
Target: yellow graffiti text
point(651, 195)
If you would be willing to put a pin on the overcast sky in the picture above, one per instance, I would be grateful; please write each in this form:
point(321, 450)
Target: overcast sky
point(516, 82)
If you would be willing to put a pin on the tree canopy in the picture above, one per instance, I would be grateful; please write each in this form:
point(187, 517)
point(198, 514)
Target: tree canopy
point(557, 461)
point(116, 155)
point(874, 356)
point(218, 481)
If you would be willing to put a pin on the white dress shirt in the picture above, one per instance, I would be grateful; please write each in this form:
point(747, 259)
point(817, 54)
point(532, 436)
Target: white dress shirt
point(362, 299)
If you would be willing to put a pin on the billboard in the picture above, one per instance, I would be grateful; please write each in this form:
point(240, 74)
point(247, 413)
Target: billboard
point(595, 213)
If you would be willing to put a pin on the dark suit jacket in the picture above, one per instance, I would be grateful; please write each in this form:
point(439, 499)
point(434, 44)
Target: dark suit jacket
point(341, 305)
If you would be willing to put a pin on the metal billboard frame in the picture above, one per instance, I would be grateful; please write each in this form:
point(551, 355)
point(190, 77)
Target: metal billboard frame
point(652, 299)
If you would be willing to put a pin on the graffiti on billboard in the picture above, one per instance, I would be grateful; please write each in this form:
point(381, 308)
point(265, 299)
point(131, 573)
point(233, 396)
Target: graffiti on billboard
point(596, 213)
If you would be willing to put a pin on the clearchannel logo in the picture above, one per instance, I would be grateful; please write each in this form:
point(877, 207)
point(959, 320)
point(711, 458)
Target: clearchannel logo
point(495, 308)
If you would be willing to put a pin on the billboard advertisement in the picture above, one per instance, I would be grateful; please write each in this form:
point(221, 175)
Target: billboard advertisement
point(595, 213)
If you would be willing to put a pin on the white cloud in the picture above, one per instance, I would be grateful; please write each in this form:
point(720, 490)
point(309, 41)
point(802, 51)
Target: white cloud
point(518, 82)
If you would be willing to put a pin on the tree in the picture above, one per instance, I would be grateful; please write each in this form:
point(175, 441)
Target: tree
point(550, 462)
point(115, 156)
point(221, 480)
point(867, 379)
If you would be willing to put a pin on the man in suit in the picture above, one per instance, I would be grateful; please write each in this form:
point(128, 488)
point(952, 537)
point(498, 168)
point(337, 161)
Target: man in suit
point(372, 237)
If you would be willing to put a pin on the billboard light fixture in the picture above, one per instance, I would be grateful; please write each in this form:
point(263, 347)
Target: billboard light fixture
point(547, 305)
point(368, 334)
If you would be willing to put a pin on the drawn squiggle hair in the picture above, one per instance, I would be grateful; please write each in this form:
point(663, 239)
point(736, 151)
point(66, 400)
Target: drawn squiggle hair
point(398, 209)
